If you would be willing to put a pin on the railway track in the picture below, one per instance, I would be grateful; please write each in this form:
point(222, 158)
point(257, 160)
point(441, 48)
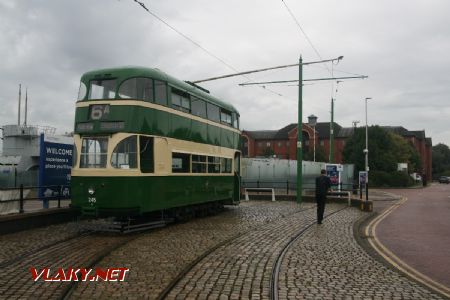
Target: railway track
point(82, 251)
point(173, 284)
point(277, 267)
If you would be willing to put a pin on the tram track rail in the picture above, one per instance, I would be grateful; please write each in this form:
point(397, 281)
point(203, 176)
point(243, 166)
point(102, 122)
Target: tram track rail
point(5, 263)
point(83, 251)
point(277, 266)
point(171, 286)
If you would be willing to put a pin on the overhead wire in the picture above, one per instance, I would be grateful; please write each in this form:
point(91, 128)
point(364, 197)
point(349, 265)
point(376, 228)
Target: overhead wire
point(198, 45)
point(303, 32)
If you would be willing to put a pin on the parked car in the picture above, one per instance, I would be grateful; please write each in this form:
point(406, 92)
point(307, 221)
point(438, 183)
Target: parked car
point(444, 179)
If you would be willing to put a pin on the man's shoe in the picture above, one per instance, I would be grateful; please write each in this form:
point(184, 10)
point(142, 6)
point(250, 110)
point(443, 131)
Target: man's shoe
point(319, 222)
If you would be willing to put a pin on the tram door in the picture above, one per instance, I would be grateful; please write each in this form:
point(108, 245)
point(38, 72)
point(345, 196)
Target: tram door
point(237, 178)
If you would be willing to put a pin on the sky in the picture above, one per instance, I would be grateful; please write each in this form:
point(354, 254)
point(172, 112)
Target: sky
point(403, 47)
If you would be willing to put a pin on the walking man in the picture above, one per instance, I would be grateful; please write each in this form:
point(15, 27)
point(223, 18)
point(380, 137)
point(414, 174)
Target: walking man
point(323, 184)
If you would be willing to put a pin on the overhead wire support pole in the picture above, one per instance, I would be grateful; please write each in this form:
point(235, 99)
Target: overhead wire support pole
point(265, 69)
point(299, 133)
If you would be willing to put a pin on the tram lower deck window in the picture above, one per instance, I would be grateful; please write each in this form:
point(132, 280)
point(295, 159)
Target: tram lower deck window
point(180, 163)
point(124, 155)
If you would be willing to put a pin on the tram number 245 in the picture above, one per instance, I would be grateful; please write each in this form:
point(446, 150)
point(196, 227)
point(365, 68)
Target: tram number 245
point(98, 111)
point(92, 200)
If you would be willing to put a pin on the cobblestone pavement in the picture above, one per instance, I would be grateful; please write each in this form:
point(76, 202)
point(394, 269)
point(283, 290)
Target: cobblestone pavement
point(242, 245)
point(156, 258)
point(15, 244)
point(327, 263)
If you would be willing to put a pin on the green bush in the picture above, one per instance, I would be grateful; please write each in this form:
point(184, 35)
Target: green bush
point(390, 179)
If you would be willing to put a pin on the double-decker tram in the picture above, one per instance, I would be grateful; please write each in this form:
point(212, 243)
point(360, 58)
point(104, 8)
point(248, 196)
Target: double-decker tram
point(146, 142)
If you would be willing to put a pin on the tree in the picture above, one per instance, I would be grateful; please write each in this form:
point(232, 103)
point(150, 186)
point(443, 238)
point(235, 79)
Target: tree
point(320, 154)
point(440, 159)
point(386, 150)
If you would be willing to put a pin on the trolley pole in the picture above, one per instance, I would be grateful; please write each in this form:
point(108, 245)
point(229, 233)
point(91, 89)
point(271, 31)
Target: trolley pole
point(299, 132)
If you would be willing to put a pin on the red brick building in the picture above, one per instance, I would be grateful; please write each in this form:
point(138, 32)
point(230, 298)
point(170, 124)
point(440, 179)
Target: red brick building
point(282, 143)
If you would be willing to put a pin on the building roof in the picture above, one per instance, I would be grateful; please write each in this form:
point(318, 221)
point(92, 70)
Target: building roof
point(261, 134)
point(323, 129)
point(418, 134)
point(283, 133)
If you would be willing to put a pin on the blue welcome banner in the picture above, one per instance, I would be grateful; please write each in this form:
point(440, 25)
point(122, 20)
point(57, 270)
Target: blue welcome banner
point(55, 163)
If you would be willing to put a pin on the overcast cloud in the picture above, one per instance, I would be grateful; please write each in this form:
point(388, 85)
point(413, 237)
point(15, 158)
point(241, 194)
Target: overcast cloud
point(403, 46)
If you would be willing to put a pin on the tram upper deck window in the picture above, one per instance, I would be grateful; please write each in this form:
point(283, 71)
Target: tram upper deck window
point(225, 117)
point(235, 120)
point(213, 112)
point(124, 155)
point(137, 88)
point(102, 89)
point(198, 107)
point(94, 152)
point(160, 92)
point(180, 101)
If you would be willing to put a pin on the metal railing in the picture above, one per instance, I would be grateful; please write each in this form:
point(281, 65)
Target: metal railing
point(36, 194)
point(290, 186)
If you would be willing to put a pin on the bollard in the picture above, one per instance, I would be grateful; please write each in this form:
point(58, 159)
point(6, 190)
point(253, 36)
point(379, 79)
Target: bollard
point(59, 196)
point(21, 199)
point(367, 191)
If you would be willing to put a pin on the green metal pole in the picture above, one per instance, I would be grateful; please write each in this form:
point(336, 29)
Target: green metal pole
point(331, 159)
point(299, 132)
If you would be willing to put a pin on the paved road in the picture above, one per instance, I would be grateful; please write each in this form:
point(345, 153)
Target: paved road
point(418, 231)
point(237, 251)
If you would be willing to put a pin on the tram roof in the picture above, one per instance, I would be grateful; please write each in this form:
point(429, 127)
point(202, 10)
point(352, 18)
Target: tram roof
point(122, 73)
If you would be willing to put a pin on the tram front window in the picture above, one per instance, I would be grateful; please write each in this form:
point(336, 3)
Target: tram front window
point(102, 89)
point(93, 152)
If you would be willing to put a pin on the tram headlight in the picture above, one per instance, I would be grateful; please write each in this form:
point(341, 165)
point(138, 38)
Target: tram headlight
point(91, 191)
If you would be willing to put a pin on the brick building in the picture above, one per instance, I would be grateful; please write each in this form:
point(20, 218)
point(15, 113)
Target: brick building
point(282, 143)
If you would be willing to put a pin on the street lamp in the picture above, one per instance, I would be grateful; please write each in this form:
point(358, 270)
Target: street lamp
point(312, 121)
point(366, 154)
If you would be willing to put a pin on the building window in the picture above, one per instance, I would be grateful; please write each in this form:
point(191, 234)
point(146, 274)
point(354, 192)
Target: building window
point(322, 143)
point(288, 144)
point(268, 144)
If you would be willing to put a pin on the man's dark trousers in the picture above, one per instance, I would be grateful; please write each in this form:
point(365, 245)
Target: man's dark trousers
point(321, 199)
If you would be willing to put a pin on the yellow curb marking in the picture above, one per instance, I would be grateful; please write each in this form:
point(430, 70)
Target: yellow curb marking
point(395, 260)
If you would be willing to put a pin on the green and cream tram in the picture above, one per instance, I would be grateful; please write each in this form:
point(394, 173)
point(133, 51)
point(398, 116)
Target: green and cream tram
point(146, 142)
